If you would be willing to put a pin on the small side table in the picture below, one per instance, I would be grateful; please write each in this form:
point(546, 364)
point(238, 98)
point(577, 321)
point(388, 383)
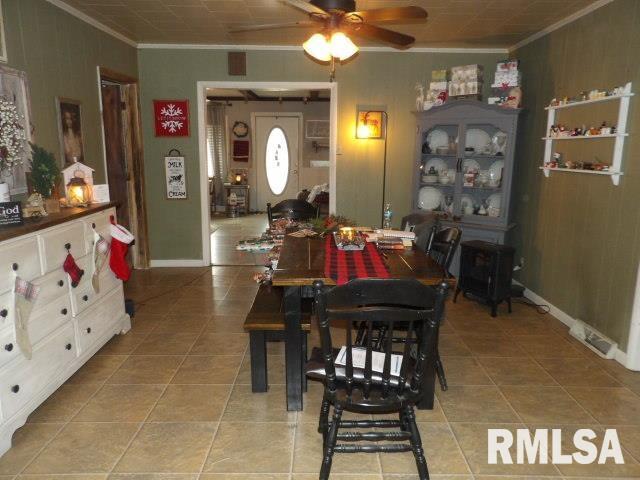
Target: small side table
point(242, 194)
point(486, 271)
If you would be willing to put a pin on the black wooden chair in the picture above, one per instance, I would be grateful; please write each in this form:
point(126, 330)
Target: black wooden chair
point(362, 390)
point(421, 224)
point(443, 244)
point(293, 209)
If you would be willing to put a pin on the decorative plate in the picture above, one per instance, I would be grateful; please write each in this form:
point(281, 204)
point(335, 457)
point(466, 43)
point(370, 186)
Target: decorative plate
point(437, 163)
point(477, 139)
point(430, 198)
point(470, 164)
point(464, 201)
point(495, 200)
point(437, 138)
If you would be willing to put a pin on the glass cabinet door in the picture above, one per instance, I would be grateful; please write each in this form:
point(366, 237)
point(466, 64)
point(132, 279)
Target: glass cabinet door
point(483, 171)
point(438, 168)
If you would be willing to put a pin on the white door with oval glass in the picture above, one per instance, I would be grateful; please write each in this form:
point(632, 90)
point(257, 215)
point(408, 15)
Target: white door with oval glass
point(277, 158)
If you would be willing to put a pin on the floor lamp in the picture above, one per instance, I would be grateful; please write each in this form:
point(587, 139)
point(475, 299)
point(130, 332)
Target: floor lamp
point(372, 124)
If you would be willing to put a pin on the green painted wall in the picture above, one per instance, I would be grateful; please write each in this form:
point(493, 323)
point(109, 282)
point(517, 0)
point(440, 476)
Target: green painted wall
point(370, 79)
point(60, 54)
point(579, 234)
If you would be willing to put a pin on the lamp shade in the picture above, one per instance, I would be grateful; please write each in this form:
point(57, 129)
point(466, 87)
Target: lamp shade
point(342, 47)
point(318, 47)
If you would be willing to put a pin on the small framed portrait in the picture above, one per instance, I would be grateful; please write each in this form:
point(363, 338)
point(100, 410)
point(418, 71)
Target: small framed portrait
point(70, 130)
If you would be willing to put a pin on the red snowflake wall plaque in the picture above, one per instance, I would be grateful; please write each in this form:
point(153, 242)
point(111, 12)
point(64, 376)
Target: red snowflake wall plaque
point(171, 118)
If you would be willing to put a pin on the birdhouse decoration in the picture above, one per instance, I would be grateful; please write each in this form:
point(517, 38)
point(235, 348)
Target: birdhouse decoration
point(78, 183)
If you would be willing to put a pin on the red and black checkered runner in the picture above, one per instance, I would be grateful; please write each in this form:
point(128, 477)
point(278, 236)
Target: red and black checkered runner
point(342, 266)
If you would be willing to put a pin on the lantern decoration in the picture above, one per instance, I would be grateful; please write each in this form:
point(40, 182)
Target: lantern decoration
point(79, 192)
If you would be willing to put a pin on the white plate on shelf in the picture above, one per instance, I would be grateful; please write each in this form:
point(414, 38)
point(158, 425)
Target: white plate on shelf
point(496, 168)
point(464, 201)
point(494, 201)
point(499, 143)
point(437, 163)
point(437, 138)
point(470, 164)
point(477, 139)
point(430, 198)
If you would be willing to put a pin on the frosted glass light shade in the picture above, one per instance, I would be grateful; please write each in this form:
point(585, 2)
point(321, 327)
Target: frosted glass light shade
point(318, 47)
point(342, 47)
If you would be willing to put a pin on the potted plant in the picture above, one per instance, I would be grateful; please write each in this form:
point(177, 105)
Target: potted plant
point(45, 175)
point(12, 143)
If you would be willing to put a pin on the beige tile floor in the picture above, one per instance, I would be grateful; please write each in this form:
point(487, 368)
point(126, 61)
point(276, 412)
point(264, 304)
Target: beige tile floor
point(225, 233)
point(172, 399)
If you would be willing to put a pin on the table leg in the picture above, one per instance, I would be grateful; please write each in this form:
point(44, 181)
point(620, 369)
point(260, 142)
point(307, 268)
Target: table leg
point(293, 346)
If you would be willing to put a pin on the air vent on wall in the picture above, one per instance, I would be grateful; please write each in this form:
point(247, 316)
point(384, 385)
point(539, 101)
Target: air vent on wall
point(596, 341)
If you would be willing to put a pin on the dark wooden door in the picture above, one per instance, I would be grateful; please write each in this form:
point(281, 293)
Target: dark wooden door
point(112, 109)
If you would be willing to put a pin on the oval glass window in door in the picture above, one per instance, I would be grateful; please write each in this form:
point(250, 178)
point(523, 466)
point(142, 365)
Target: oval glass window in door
point(277, 160)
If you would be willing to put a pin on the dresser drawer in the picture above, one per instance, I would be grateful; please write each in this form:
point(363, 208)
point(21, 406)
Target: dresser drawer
point(20, 256)
point(48, 318)
point(6, 310)
point(53, 286)
point(8, 347)
point(53, 245)
point(83, 296)
point(22, 380)
point(92, 324)
point(100, 223)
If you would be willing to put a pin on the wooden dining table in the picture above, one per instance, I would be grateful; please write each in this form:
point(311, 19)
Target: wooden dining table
point(301, 263)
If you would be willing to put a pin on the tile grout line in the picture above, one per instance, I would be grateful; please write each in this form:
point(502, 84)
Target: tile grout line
point(226, 403)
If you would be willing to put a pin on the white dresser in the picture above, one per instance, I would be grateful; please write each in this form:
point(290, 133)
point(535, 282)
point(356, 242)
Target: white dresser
point(67, 325)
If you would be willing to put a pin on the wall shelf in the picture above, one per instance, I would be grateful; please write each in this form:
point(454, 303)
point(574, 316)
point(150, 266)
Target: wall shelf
point(615, 169)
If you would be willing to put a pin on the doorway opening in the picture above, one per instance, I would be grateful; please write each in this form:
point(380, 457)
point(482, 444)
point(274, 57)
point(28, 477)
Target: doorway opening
point(261, 142)
point(123, 156)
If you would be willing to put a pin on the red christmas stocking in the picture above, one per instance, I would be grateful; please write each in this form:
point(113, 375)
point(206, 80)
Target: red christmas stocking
point(71, 267)
point(121, 238)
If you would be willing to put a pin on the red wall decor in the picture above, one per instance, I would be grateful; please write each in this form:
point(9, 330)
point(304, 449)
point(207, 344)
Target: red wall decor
point(171, 118)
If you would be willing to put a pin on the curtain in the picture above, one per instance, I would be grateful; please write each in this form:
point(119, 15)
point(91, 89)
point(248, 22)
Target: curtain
point(217, 150)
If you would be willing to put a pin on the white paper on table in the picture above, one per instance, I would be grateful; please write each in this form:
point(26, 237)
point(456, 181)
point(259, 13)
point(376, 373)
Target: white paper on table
point(101, 193)
point(358, 356)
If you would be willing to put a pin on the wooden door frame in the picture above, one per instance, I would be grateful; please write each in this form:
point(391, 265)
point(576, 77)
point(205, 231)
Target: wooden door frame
point(134, 159)
point(254, 142)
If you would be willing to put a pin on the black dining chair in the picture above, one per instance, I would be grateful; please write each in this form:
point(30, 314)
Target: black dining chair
point(293, 209)
point(442, 245)
point(421, 224)
point(358, 387)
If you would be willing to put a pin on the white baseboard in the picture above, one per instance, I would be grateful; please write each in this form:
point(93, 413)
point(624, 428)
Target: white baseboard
point(177, 263)
point(568, 320)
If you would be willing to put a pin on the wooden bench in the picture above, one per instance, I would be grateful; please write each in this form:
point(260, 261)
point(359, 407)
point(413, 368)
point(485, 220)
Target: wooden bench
point(265, 322)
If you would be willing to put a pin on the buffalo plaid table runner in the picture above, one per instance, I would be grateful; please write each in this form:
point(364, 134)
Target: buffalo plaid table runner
point(342, 266)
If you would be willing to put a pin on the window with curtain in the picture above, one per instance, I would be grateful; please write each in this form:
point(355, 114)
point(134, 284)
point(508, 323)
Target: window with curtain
point(216, 148)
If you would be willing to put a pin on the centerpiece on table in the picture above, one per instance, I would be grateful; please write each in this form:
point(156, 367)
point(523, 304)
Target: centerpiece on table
point(330, 224)
point(12, 143)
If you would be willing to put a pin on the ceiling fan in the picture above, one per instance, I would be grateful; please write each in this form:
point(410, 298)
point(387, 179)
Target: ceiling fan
point(336, 19)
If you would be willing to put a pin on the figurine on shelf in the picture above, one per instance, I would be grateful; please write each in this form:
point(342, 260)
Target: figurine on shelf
point(605, 129)
point(554, 102)
point(583, 95)
point(554, 131)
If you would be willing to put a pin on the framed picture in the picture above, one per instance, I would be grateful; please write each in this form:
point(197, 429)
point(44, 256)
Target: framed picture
point(3, 42)
point(317, 129)
point(70, 130)
point(15, 87)
point(171, 118)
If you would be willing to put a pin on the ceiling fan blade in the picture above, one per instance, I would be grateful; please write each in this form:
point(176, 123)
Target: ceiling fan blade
point(397, 39)
point(269, 26)
point(391, 14)
point(306, 7)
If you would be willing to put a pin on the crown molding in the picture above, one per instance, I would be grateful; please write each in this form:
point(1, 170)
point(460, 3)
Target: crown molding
point(565, 21)
point(298, 48)
point(92, 21)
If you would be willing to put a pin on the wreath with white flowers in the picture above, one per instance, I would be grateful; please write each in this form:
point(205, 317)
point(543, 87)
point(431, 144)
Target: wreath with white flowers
point(12, 136)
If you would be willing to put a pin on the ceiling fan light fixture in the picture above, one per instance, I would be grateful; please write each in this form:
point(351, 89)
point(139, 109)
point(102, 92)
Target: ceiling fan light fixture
point(318, 47)
point(341, 46)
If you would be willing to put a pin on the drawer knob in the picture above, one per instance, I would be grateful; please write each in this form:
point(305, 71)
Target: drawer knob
point(67, 246)
point(14, 267)
point(15, 388)
point(60, 283)
point(93, 225)
point(88, 329)
point(64, 311)
point(8, 347)
point(85, 297)
point(68, 346)
point(4, 313)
